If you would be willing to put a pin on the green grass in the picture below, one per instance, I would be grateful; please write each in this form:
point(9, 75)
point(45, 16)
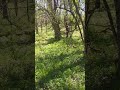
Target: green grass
point(59, 64)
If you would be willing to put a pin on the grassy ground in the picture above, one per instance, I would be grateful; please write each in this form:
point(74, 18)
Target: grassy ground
point(59, 64)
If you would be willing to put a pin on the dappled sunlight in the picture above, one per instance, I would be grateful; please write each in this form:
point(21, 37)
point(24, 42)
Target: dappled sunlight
point(59, 62)
point(59, 59)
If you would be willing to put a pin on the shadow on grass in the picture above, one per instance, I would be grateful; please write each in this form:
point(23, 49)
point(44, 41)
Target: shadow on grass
point(60, 57)
point(69, 41)
point(65, 40)
point(51, 40)
point(55, 73)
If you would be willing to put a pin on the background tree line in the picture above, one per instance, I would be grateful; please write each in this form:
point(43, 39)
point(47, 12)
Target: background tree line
point(66, 13)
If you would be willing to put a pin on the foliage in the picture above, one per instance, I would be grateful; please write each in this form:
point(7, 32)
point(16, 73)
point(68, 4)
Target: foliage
point(59, 64)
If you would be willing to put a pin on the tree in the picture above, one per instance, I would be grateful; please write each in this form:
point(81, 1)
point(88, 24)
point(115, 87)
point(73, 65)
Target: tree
point(54, 19)
point(102, 44)
point(117, 8)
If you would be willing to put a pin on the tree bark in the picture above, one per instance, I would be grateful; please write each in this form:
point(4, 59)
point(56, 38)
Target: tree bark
point(54, 20)
point(117, 7)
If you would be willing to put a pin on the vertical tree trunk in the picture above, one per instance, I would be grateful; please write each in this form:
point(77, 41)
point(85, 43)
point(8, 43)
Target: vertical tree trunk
point(46, 22)
point(66, 25)
point(4, 9)
point(56, 31)
point(117, 7)
point(66, 20)
point(55, 22)
point(36, 27)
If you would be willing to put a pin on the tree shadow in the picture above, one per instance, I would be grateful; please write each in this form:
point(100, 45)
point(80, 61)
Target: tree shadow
point(62, 56)
point(67, 41)
point(55, 73)
point(51, 40)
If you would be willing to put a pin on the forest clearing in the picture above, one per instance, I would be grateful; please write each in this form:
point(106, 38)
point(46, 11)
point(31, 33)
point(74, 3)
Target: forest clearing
point(59, 64)
point(59, 59)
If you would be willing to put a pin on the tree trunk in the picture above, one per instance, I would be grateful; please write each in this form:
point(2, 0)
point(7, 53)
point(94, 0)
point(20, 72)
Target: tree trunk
point(4, 9)
point(117, 7)
point(56, 28)
point(36, 27)
point(55, 22)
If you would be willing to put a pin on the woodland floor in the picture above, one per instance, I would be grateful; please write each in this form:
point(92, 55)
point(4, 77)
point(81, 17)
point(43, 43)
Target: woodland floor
point(59, 64)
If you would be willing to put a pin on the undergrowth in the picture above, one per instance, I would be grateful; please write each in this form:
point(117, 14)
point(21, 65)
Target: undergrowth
point(59, 65)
